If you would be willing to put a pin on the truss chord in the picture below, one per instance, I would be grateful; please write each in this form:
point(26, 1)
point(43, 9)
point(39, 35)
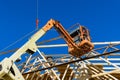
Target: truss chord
point(114, 43)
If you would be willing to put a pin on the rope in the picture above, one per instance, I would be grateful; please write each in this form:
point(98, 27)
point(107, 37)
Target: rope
point(17, 41)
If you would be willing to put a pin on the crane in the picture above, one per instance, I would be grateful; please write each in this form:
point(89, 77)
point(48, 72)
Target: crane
point(75, 48)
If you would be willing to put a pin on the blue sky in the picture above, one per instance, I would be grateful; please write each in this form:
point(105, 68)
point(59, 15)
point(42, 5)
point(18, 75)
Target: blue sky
point(101, 17)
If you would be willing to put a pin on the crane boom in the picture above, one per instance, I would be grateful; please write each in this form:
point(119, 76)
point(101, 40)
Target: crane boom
point(76, 49)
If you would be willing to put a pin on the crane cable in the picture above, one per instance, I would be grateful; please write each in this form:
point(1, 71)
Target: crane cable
point(16, 42)
point(37, 20)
